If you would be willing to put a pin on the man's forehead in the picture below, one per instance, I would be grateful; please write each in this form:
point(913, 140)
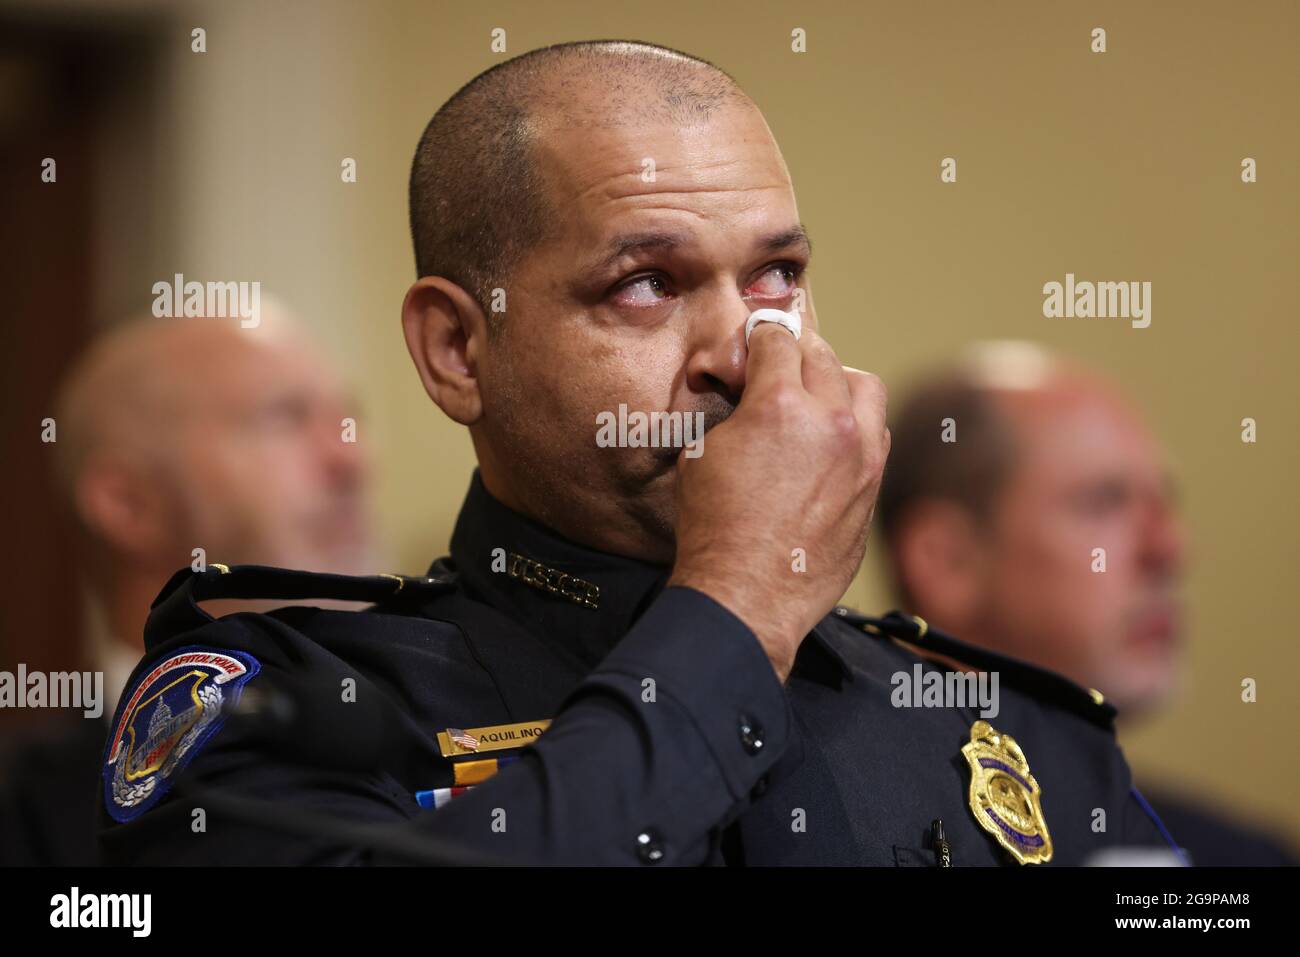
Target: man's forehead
point(729, 159)
point(1073, 426)
point(254, 365)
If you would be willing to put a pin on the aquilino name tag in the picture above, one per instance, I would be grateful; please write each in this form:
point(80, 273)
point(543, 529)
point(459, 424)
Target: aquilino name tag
point(455, 742)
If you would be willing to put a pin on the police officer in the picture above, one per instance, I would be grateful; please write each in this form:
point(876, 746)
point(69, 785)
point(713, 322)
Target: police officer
point(174, 434)
point(632, 654)
point(1052, 460)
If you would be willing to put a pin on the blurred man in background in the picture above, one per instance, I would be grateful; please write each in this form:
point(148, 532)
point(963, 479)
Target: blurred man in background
point(1009, 474)
point(176, 435)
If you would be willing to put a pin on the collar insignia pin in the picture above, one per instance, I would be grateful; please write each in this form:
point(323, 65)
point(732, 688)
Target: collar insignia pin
point(543, 577)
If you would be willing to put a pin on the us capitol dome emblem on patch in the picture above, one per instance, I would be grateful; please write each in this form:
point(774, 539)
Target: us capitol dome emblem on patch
point(167, 716)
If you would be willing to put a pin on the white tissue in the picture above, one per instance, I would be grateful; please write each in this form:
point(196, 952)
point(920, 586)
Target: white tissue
point(790, 320)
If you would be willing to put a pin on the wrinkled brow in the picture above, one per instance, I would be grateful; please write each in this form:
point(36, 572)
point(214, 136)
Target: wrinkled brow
point(620, 246)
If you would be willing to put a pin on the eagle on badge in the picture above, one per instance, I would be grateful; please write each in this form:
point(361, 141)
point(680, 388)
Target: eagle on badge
point(1004, 797)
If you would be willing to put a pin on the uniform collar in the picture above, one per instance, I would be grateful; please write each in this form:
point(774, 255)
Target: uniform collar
point(577, 600)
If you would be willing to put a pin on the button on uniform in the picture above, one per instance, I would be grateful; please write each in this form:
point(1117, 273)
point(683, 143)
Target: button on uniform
point(649, 847)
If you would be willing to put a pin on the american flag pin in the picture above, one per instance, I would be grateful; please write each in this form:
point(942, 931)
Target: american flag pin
point(463, 738)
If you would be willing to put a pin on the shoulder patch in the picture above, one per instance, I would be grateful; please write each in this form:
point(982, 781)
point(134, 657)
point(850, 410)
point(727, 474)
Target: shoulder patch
point(168, 714)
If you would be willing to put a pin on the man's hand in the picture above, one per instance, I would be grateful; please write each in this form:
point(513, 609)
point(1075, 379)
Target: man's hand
point(796, 466)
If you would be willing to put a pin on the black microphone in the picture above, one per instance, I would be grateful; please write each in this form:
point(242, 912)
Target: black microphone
point(308, 722)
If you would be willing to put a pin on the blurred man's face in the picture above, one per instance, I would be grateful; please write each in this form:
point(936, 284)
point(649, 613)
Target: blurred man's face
point(658, 326)
point(1089, 477)
point(262, 472)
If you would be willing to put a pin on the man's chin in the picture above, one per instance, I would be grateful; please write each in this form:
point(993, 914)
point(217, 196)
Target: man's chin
point(655, 508)
point(660, 523)
point(341, 558)
point(1145, 695)
point(1149, 678)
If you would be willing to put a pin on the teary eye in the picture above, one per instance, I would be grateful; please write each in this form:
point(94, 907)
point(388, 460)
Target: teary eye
point(778, 280)
point(642, 291)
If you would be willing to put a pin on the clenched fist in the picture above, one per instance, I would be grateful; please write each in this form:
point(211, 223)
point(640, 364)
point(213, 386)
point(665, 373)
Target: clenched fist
point(796, 466)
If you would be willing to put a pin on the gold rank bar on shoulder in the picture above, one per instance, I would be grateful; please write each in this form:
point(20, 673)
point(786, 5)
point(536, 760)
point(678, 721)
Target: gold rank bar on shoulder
point(455, 742)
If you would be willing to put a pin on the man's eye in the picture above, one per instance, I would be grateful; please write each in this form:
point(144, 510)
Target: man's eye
point(1105, 499)
point(644, 291)
point(777, 281)
point(283, 414)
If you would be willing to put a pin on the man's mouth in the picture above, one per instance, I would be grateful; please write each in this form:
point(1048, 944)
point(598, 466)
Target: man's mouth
point(1158, 629)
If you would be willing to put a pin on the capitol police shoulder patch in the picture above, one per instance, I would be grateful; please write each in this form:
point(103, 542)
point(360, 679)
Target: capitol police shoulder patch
point(167, 716)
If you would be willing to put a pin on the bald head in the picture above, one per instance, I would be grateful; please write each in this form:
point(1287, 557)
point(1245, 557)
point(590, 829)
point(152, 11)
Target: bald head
point(136, 385)
point(669, 216)
point(177, 434)
point(1028, 508)
point(479, 196)
point(955, 437)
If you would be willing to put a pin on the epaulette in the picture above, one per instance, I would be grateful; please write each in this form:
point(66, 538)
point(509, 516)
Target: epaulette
point(176, 609)
point(1040, 683)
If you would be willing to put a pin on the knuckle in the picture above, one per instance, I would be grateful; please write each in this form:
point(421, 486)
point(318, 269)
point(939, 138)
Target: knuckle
point(842, 426)
point(785, 401)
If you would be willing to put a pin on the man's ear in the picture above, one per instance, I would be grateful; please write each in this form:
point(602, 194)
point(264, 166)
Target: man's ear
point(446, 332)
point(940, 557)
point(119, 506)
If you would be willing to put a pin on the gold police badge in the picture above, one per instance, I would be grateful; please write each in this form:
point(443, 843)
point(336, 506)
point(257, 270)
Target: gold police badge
point(1004, 797)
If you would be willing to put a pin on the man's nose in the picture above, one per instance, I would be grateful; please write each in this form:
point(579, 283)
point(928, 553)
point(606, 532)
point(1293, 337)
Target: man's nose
point(1164, 538)
point(339, 445)
point(716, 352)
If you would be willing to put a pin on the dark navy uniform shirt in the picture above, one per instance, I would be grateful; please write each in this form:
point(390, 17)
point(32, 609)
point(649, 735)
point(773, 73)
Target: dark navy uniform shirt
point(312, 736)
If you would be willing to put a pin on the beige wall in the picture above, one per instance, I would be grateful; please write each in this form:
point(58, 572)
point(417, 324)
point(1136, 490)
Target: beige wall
point(1115, 166)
